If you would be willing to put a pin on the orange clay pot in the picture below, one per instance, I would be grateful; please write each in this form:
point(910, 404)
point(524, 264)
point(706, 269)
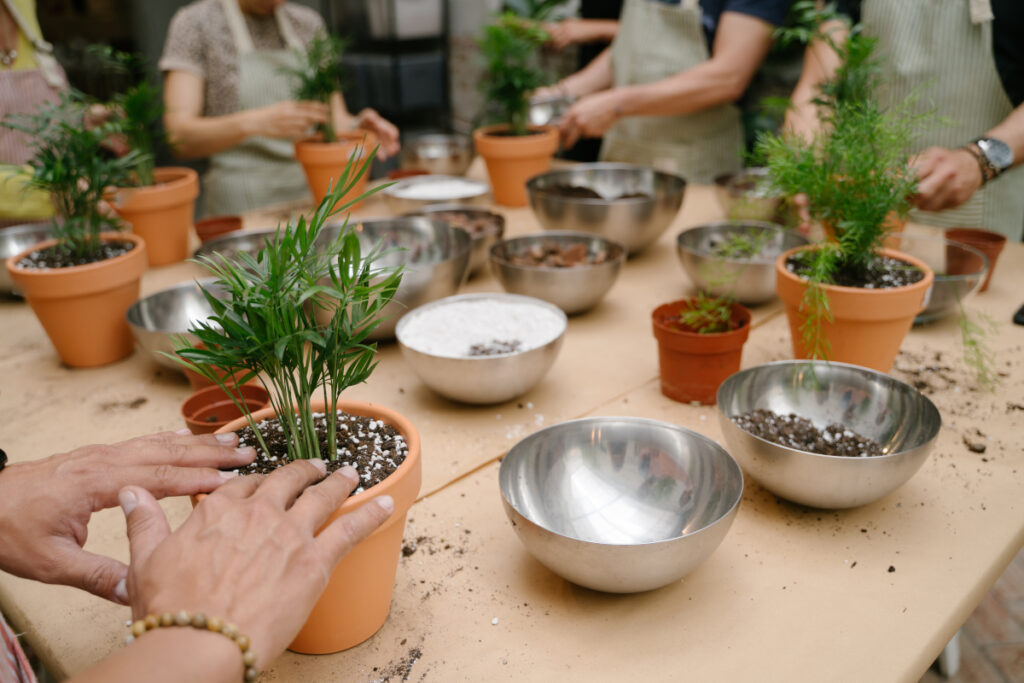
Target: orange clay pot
point(215, 226)
point(211, 408)
point(868, 324)
point(82, 308)
point(162, 213)
point(692, 365)
point(357, 599)
point(989, 243)
point(325, 162)
point(893, 225)
point(512, 160)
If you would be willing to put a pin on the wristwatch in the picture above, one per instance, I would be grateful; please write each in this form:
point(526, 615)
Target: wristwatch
point(994, 156)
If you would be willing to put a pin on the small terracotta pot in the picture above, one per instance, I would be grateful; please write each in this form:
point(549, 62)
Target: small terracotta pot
point(211, 408)
point(693, 365)
point(324, 162)
point(162, 213)
point(989, 243)
point(512, 160)
point(215, 226)
point(868, 324)
point(83, 308)
point(400, 173)
point(357, 599)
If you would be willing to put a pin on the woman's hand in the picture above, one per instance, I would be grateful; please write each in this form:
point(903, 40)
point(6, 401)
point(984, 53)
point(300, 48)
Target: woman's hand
point(248, 553)
point(45, 505)
point(387, 132)
point(287, 120)
point(590, 117)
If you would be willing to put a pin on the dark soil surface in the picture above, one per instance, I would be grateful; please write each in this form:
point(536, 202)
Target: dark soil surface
point(798, 432)
point(581, 192)
point(374, 448)
point(495, 347)
point(475, 224)
point(882, 273)
point(56, 257)
point(550, 255)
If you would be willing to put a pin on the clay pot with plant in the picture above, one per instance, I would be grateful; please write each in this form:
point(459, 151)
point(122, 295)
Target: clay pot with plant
point(269, 324)
point(513, 151)
point(80, 284)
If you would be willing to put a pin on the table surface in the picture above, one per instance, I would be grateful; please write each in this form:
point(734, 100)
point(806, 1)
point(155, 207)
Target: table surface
point(792, 594)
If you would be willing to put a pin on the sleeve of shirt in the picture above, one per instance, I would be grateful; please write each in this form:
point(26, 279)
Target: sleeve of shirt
point(183, 49)
point(772, 11)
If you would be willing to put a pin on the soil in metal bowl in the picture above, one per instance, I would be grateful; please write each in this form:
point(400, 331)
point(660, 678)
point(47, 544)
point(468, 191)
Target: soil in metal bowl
point(883, 272)
point(798, 432)
point(374, 448)
point(551, 255)
point(581, 192)
point(58, 257)
point(475, 224)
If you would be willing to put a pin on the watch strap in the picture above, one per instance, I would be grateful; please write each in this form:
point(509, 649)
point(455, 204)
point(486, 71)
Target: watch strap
point(988, 171)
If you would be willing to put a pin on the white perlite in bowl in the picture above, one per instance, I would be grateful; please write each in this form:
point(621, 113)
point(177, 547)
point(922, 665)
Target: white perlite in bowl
point(431, 190)
point(481, 328)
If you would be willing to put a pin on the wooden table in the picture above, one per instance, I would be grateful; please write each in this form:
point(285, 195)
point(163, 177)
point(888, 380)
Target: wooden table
point(792, 594)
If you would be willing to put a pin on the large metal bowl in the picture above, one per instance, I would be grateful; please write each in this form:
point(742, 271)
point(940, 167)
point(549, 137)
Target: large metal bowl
point(632, 222)
point(959, 271)
point(747, 195)
point(13, 241)
point(481, 240)
point(900, 418)
point(748, 280)
point(482, 379)
point(435, 257)
point(156, 320)
point(232, 244)
point(575, 289)
point(438, 153)
point(620, 504)
point(400, 200)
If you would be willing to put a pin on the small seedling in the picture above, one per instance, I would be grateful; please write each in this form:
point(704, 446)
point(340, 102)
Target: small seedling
point(319, 75)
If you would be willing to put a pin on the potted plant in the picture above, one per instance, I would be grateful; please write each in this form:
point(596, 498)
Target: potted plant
point(513, 151)
point(158, 203)
point(265, 326)
point(326, 156)
point(80, 284)
point(850, 300)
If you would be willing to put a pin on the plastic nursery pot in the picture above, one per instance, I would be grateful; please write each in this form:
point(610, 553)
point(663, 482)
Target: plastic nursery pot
point(211, 408)
point(868, 325)
point(324, 162)
point(215, 226)
point(692, 365)
point(357, 599)
point(989, 243)
point(82, 308)
point(513, 159)
point(161, 213)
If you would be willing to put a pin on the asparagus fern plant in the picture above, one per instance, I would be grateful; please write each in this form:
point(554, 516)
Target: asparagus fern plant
point(510, 46)
point(319, 75)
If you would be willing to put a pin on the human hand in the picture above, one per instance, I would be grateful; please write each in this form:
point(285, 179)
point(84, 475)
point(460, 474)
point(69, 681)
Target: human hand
point(99, 115)
point(287, 120)
point(45, 505)
point(248, 553)
point(946, 178)
point(590, 116)
point(564, 33)
point(387, 132)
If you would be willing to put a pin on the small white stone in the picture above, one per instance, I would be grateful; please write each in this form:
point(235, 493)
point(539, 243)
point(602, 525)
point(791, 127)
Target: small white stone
point(494, 621)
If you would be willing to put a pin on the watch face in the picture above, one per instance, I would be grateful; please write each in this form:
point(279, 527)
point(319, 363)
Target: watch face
point(997, 152)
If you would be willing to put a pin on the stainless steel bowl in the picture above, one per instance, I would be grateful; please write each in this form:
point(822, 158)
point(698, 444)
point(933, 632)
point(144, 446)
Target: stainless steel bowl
point(620, 504)
point(482, 379)
point(575, 289)
point(746, 195)
point(435, 257)
point(441, 154)
point(959, 271)
point(156, 320)
point(549, 111)
point(632, 222)
point(13, 241)
point(481, 240)
point(472, 192)
point(232, 244)
point(750, 280)
point(900, 418)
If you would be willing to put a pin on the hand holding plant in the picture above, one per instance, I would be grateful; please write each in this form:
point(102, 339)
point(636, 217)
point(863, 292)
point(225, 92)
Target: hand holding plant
point(319, 75)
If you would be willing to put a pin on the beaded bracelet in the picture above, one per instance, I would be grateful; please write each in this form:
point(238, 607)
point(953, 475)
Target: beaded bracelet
point(203, 623)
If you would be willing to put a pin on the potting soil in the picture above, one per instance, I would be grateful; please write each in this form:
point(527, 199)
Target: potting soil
point(883, 272)
point(798, 432)
point(57, 257)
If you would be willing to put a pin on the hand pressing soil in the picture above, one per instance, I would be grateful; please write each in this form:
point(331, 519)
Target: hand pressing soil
point(798, 432)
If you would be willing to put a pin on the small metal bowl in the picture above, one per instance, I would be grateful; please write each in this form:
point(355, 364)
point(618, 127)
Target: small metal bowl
point(482, 379)
point(415, 193)
point(634, 222)
point(549, 111)
point(13, 241)
point(156, 320)
point(620, 504)
point(746, 195)
point(896, 415)
point(482, 239)
point(748, 280)
point(959, 271)
point(438, 153)
point(575, 289)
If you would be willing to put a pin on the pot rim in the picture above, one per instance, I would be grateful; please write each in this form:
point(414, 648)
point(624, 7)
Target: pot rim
point(12, 261)
point(738, 309)
point(925, 282)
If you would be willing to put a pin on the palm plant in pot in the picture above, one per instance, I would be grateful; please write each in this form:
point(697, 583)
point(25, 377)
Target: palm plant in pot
point(513, 151)
point(81, 284)
point(268, 325)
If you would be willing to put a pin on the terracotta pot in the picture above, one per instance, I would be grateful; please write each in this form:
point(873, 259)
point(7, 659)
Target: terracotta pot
point(868, 324)
point(693, 365)
point(512, 160)
point(162, 213)
point(325, 162)
point(357, 599)
point(197, 381)
point(211, 408)
point(215, 226)
point(83, 308)
point(400, 173)
point(893, 225)
point(989, 243)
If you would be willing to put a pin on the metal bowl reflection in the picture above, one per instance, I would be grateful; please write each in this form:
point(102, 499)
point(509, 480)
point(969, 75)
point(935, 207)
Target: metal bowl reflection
point(13, 241)
point(746, 195)
point(234, 243)
point(959, 271)
point(441, 154)
point(484, 228)
point(156, 320)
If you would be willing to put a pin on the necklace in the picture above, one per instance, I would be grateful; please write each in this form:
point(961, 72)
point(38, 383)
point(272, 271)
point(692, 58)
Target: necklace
point(9, 45)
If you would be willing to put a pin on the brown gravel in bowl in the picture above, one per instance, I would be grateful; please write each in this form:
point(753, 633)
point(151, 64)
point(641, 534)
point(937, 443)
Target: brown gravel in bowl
point(798, 432)
point(550, 255)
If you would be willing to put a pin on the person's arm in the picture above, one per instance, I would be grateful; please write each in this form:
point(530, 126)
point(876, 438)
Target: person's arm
point(577, 31)
point(193, 136)
point(594, 77)
point(367, 119)
point(820, 64)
